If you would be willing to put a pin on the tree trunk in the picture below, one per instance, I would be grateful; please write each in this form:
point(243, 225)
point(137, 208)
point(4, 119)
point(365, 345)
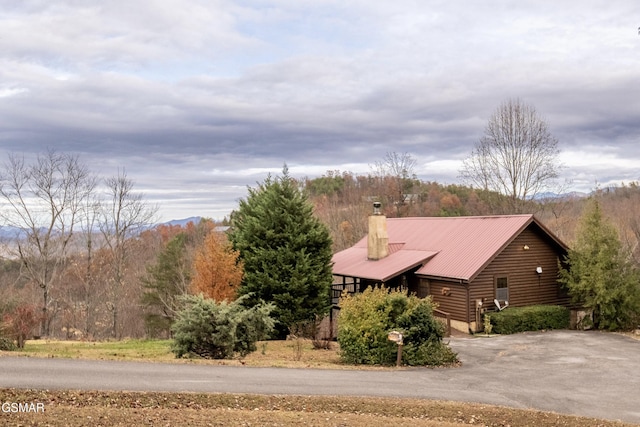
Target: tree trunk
point(114, 331)
point(44, 329)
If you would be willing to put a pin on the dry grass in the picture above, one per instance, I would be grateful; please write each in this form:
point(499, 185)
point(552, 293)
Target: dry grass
point(635, 334)
point(289, 354)
point(73, 408)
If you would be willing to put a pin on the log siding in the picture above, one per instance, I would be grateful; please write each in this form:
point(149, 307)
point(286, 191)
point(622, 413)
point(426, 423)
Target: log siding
point(519, 262)
point(526, 286)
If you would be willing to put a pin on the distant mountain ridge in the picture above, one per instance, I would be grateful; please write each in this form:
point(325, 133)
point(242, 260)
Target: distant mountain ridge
point(183, 222)
point(10, 232)
point(551, 196)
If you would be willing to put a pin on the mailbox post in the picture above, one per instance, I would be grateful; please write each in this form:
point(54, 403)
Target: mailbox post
point(396, 337)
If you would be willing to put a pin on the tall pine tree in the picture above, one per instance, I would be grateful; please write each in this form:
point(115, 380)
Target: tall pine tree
point(286, 252)
point(601, 275)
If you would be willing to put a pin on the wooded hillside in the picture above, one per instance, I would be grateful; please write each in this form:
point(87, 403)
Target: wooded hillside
point(82, 302)
point(344, 200)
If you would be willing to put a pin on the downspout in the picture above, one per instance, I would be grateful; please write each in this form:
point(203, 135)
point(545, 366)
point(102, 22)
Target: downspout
point(468, 308)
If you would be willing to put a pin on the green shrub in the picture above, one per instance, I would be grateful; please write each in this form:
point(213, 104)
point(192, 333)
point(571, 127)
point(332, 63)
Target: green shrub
point(533, 318)
point(7, 341)
point(7, 344)
point(367, 318)
point(429, 353)
point(219, 330)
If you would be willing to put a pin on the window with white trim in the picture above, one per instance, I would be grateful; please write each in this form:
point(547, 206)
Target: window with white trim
point(502, 288)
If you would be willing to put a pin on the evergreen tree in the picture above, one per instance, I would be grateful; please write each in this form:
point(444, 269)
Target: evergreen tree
point(600, 274)
point(286, 252)
point(164, 282)
point(219, 330)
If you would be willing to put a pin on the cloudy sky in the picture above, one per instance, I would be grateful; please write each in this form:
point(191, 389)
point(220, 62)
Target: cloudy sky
point(196, 99)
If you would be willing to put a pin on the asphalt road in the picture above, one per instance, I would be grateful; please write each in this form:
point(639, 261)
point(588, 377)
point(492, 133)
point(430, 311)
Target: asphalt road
point(581, 373)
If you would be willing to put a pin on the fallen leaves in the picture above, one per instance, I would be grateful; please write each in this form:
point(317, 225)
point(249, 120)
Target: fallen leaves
point(78, 408)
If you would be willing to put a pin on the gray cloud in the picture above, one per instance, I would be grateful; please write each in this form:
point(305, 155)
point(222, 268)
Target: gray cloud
point(198, 99)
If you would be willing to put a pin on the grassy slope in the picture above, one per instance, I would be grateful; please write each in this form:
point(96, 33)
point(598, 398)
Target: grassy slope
point(293, 354)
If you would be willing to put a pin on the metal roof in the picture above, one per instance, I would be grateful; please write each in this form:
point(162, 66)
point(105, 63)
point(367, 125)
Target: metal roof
point(448, 247)
point(353, 262)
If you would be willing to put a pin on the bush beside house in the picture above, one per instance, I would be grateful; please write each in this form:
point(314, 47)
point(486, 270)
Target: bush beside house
point(531, 318)
point(367, 318)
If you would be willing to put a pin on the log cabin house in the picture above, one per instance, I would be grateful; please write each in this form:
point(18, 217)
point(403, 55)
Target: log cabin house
point(469, 265)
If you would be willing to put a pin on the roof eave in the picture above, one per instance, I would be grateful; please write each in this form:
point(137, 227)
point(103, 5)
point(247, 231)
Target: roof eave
point(390, 275)
point(502, 248)
point(550, 234)
point(531, 220)
point(463, 280)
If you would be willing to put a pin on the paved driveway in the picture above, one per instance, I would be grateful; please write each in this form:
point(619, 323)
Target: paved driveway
point(582, 373)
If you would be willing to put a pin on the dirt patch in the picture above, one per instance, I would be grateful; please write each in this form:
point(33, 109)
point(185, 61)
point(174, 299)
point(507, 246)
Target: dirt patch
point(76, 408)
point(633, 334)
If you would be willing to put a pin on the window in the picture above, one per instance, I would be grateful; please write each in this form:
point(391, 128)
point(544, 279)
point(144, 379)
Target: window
point(502, 289)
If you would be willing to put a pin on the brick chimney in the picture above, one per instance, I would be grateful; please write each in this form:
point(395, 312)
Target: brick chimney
point(378, 239)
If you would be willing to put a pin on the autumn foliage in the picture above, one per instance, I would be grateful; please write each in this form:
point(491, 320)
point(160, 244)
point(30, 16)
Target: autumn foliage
point(217, 270)
point(21, 321)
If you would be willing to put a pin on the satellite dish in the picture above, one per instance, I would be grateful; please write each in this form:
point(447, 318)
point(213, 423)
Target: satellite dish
point(497, 303)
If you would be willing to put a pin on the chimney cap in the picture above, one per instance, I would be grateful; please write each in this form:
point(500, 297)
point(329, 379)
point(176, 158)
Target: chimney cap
point(376, 208)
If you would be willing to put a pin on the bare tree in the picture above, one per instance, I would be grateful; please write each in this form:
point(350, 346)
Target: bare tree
point(124, 215)
point(397, 170)
point(82, 270)
point(517, 156)
point(43, 200)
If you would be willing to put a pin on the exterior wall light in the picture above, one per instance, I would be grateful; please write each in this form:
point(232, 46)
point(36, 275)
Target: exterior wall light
point(525, 247)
